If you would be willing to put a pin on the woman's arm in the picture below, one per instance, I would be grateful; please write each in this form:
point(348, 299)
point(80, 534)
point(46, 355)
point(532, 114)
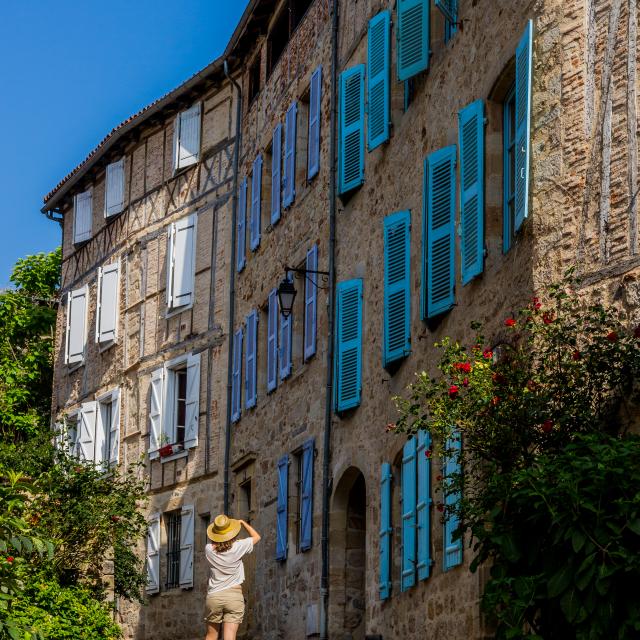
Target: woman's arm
point(255, 536)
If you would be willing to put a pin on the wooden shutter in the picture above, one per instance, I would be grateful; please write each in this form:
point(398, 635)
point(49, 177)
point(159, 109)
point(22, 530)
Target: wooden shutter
point(378, 82)
point(250, 365)
point(412, 37)
point(524, 57)
point(76, 325)
point(107, 303)
point(386, 531)
point(241, 241)
point(409, 522)
point(351, 136)
point(256, 201)
point(83, 216)
point(114, 188)
point(114, 428)
point(286, 336)
point(282, 508)
point(423, 505)
point(471, 138)
point(276, 174)
point(156, 405)
point(272, 341)
point(187, 523)
point(349, 345)
point(192, 416)
point(397, 295)
point(310, 303)
point(236, 379)
point(289, 177)
point(153, 554)
point(315, 116)
point(438, 227)
point(87, 432)
point(188, 138)
point(451, 473)
point(306, 499)
point(182, 262)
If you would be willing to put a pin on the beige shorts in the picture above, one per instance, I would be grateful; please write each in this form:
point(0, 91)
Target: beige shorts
point(225, 606)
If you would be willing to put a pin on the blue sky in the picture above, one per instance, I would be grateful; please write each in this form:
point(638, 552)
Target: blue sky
point(69, 72)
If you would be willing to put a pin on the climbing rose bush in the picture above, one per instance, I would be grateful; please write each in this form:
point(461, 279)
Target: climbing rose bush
point(551, 475)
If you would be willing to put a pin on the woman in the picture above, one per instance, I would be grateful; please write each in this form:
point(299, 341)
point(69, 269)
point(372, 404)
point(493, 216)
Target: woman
point(225, 602)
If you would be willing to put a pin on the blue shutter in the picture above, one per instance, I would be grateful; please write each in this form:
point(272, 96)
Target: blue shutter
point(349, 345)
point(378, 87)
point(306, 499)
point(241, 244)
point(315, 115)
point(471, 137)
point(256, 200)
point(276, 174)
point(250, 365)
point(438, 232)
point(385, 531)
point(409, 472)
point(286, 335)
point(272, 341)
point(236, 377)
point(351, 137)
point(397, 297)
point(289, 178)
point(282, 511)
point(423, 507)
point(524, 54)
point(452, 471)
point(449, 9)
point(412, 37)
point(310, 303)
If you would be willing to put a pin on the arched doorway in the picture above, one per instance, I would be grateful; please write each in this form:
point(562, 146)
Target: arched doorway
point(347, 595)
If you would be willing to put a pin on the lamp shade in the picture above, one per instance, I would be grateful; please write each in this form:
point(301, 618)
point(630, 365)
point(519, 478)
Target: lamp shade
point(286, 296)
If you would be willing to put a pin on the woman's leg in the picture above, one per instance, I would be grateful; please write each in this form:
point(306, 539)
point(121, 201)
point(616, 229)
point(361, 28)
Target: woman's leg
point(230, 630)
point(213, 631)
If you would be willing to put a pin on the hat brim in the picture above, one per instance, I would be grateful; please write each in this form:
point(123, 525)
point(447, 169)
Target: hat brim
point(231, 532)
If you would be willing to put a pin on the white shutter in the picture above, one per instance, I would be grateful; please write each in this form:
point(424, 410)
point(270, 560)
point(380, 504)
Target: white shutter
point(114, 427)
point(59, 436)
point(82, 218)
point(155, 411)
point(76, 325)
point(114, 189)
point(153, 554)
point(176, 141)
point(107, 309)
point(170, 253)
point(188, 149)
point(182, 262)
point(193, 401)
point(87, 432)
point(186, 546)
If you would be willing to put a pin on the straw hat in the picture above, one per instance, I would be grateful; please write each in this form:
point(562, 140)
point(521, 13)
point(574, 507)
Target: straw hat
point(223, 528)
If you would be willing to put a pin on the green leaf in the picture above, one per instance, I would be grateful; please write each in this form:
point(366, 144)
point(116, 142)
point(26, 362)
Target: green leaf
point(570, 605)
point(577, 540)
point(560, 581)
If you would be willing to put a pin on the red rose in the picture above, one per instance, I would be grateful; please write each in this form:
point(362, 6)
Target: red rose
point(547, 317)
point(438, 478)
point(535, 303)
point(428, 453)
point(465, 382)
point(495, 400)
point(10, 559)
point(612, 336)
point(391, 427)
point(498, 378)
point(453, 391)
point(531, 385)
point(547, 425)
point(440, 507)
point(487, 354)
point(115, 518)
point(577, 355)
point(510, 322)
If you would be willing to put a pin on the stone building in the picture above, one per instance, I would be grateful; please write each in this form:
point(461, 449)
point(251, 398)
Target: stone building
point(408, 166)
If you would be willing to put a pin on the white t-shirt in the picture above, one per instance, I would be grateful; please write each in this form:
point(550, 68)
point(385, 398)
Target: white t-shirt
point(226, 569)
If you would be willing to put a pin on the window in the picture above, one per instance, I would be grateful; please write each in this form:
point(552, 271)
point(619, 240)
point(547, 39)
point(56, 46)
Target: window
point(107, 440)
point(186, 138)
point(245, 503)
point(173, 521)
point(286, 23)
point(273, 315)
point(174, 406)
point(179, 526)
point(509, 181)
point(107, 304)
point(311, 303)
point(181, 259)
point(282, 507)
point(449, 9)
point(276, 174)
point(254, 78)
point(289, 167)
point(351, 133)
point(386, 531)
point(76, 330)
point(82, 216)
point(114, 189)
point(153, 554)
point(251, 370)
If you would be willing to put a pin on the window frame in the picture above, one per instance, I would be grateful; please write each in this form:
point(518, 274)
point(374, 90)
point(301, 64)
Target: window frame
point(171, 390)
point(173, 525)
point(509, 168)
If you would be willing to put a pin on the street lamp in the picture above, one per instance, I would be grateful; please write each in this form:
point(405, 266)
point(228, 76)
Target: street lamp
point(286, 296)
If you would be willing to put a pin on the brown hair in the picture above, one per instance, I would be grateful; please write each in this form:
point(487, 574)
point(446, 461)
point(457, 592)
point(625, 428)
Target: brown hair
point(221, 547)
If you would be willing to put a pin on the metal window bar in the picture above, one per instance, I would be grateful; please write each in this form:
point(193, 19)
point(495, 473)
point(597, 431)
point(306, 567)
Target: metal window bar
point(174, 521)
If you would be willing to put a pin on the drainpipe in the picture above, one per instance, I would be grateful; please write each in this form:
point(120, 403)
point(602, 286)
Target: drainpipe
point(328, 416)
point(232, 283)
